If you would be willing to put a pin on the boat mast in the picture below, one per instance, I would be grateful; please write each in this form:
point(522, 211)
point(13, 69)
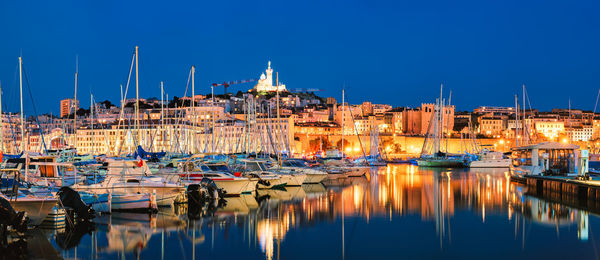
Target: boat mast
point(448, 120)
point(92, 120)
point(193, 104)
point(162, 115)
point(1, 123)
point(21, 95)
point(137, 98)
point(516, 121)
point(278, 122)
point(75, 103)
point(525, 134)
point(343, 113)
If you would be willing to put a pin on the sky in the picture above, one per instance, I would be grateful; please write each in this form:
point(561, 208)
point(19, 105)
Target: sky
point(392, 52)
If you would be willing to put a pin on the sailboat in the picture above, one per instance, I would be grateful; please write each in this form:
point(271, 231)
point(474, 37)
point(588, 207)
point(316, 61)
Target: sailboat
point(433, 153)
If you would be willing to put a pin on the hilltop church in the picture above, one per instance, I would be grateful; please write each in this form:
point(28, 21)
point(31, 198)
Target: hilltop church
point(265, 83)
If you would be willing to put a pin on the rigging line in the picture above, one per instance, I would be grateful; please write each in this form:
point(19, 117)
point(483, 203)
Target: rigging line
point(34, 110)
point(356, 131)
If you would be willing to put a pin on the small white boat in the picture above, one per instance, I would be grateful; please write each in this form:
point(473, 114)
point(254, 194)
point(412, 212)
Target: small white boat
point(37, 208)
point(491, 160)
point(341, 168)
point(296, 166)
point(127, 177)
point(257, 170)
point(231, 184)
point(136, 202)
point(99, 202)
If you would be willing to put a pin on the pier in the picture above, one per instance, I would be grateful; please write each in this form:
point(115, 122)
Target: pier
point(562, 189)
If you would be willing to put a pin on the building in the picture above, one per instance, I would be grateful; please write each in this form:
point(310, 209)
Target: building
point(494, 110)
point(367, 108)
point(331, 101)
point(492, 125)
point(411, 121)
point(68, 106)
point(265, 83)
point(550, 129)
point(427, 110)
point(580, 133)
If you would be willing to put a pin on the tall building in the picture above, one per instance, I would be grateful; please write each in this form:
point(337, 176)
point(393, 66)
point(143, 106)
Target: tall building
point(68, 106)
point(265, 83)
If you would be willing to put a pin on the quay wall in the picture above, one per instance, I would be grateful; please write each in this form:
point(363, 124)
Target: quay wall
point(396, 146)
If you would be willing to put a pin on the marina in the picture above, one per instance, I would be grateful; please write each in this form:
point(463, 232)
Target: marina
point(299, 130)
point(445, 208)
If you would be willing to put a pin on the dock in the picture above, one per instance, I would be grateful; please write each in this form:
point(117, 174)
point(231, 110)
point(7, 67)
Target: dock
point(564, 189)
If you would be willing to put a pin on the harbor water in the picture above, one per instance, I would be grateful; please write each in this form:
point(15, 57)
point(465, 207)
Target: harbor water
point(398, 211)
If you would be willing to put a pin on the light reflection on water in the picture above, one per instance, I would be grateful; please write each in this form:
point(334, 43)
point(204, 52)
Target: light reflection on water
point(397, 211)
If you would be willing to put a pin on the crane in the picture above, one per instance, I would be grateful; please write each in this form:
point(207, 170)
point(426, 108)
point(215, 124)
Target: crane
point(226, 84)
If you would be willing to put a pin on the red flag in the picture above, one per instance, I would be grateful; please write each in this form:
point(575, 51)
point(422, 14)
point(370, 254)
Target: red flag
point(140, 161)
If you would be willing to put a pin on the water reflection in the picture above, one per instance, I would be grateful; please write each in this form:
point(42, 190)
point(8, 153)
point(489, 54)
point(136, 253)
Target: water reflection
point(275, 222)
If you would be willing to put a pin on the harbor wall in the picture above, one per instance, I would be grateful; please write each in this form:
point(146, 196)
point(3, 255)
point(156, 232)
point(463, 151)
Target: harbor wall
point(395, 146)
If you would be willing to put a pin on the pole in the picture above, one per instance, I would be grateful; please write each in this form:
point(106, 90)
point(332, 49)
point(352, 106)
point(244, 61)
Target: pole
point(1, 123)
point(516, 121)
point(193, 110)
point(92, 120)
point(343, 113)
point(22, 116)
point(75, 103)
point(137, 97)
point(523, 116)
point(162, 115)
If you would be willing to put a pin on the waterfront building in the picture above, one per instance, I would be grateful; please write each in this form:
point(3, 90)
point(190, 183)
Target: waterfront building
point(494, 110)
point(427, 115)
point(550, 129)
point(492, 125)
point(68, 106)
point(582, 133)
point(411, 118)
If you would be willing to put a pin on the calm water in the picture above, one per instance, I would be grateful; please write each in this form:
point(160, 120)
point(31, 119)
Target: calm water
point(398, 211)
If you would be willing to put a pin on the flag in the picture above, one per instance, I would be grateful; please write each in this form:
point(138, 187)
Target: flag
point(140, 161)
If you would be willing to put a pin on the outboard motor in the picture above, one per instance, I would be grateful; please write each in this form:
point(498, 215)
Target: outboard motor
point(70, 198)
point(10, 217)
point(213, 191)
point(196, 194)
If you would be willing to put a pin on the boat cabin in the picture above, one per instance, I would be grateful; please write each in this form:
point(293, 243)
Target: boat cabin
point(547, 158)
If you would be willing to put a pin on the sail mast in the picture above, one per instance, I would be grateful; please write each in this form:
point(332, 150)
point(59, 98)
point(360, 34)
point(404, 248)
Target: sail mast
point(343, 114)
point(92, 120)
point(162, 116)
point(21, 95)
point(75, 103)
point(1, 123)
point(525, 135)
point(516, 121)
point(193, 104)
point(280, 146)
point(137, 98)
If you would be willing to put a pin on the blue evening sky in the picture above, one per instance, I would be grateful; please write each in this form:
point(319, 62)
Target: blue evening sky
point(394, 52)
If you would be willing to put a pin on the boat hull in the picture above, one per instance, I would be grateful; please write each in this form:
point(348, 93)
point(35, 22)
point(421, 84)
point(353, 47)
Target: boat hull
point(500, 163)
point(165, 196)
point(236, 187)
point(37, 209)
point(134, 202)
point(314, 178)
point(445, 163)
